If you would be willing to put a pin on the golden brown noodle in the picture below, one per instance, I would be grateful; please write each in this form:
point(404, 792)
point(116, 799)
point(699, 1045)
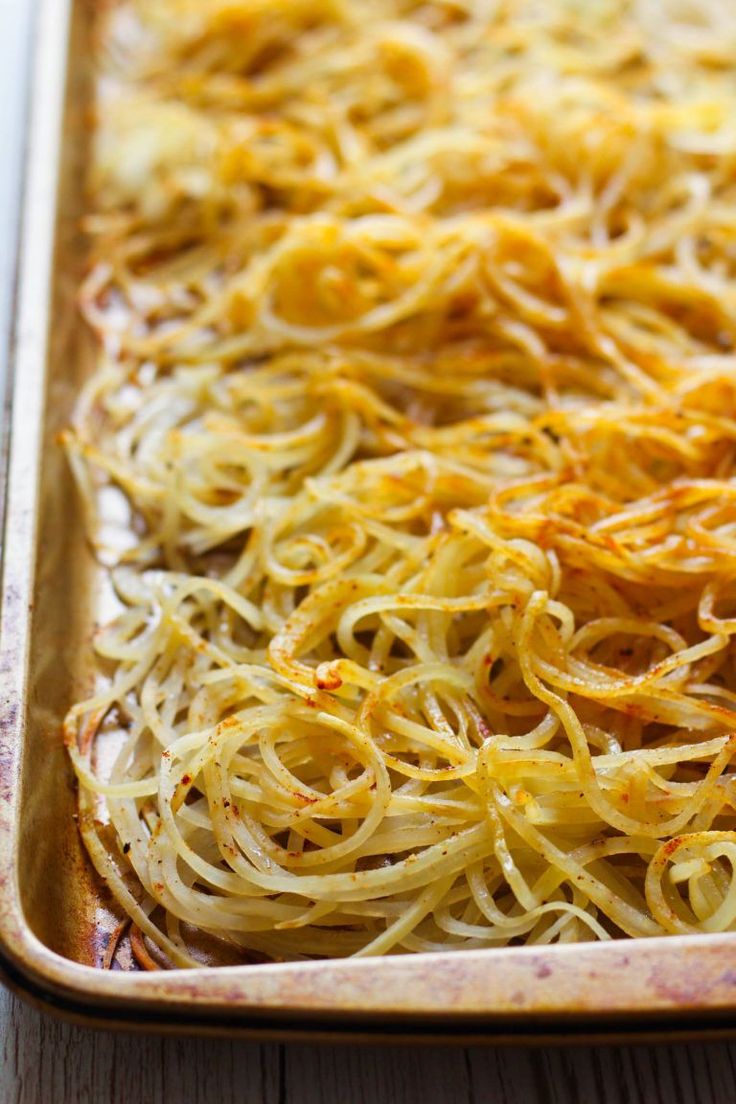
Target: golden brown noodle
point(417, 376)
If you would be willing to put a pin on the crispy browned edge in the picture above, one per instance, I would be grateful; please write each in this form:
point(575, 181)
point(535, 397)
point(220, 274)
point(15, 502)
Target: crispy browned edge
point(51, 906)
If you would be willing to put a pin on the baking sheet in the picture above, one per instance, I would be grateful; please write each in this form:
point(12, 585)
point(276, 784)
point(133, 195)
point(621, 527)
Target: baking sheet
point(55, 915)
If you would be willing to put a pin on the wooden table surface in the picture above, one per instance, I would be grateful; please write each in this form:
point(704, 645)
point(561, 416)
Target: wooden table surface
point(45, 1062)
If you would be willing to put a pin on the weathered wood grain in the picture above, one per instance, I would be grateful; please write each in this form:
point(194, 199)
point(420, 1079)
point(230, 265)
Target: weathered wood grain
point(45, 1062)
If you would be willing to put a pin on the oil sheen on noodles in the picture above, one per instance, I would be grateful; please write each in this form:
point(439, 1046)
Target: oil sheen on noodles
point(416, 379)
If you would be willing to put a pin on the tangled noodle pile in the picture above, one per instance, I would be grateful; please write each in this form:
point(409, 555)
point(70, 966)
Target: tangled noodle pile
point(416, 372)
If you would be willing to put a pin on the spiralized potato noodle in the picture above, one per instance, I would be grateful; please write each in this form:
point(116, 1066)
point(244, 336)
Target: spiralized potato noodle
point(410, 454)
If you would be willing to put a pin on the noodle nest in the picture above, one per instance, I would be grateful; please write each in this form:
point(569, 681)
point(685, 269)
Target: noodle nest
point(410, 455)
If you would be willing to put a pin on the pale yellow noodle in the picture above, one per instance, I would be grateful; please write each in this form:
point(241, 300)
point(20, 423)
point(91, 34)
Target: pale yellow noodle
point(410, 453)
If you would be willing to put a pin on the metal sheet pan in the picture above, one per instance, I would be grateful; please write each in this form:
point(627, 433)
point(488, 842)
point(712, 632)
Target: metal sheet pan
point(54, 915)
